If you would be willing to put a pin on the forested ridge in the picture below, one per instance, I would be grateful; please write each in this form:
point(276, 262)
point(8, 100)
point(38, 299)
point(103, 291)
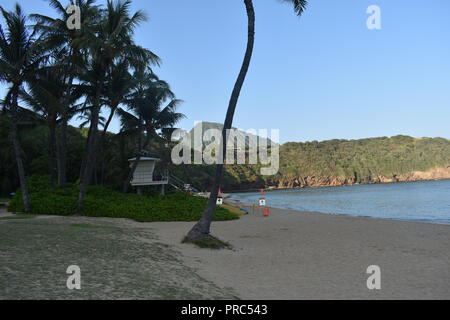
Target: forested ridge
point(374, 160)
point(333, 162)
point(347, 162)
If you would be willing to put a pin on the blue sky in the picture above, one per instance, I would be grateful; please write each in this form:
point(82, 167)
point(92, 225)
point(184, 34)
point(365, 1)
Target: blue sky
point(318, 77)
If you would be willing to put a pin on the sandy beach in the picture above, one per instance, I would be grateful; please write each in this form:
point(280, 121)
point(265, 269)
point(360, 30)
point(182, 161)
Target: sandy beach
point(288, 255)
point(300, 255)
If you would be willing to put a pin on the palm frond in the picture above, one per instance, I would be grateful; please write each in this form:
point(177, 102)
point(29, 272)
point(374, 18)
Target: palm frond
point(299, 5)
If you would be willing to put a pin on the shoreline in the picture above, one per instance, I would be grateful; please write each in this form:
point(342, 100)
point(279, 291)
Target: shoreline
point(245, 205)
point(420, 194)
point(270, 189)
point(304, 255)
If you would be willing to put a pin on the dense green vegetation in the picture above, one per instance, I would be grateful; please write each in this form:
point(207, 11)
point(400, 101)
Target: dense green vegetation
point(350, 161)
point(357, 161)
point(364, 159)
point(103, 202)
point(33, 136)
point(54, 73)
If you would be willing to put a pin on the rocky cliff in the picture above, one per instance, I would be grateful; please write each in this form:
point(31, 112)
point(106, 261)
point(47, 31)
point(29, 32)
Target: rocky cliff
point(323, 181)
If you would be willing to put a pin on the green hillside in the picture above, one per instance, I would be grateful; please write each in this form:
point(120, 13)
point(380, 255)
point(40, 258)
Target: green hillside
point(334, 162)
point(337, 162)
point(362, 161)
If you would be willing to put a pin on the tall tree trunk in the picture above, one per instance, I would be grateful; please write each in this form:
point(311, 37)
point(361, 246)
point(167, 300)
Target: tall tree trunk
point(108, 122)
point(84, 159)
point(202, 228)
point(62, 139)
point(91, 151)
point(62, 154)
point(52, 149)
point(102, 174)
point(103, 145)
point(17, 150)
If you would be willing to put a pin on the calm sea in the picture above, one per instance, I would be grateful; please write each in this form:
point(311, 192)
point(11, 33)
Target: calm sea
point(416, 201)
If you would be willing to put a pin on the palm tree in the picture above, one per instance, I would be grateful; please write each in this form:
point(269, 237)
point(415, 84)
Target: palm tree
point(85, 118)
point(67, 59)
point(202, 228)
point(43, 98)
point(117, 88)
point(21, 54)
point(151, 109)
point(108, 41)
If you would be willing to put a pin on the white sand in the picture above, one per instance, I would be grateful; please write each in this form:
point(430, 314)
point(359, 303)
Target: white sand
point(299, 255)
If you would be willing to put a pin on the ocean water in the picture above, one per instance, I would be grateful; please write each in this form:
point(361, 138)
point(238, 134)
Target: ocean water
point(427, 201)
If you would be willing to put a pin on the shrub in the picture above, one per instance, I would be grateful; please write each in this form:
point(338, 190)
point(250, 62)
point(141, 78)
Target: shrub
point(104, 202)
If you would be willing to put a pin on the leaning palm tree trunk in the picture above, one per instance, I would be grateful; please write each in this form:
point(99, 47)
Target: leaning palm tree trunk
point(17, 151)
point(202, 228)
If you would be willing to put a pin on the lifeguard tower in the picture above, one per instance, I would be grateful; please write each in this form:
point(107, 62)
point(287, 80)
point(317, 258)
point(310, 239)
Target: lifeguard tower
point(143, 176)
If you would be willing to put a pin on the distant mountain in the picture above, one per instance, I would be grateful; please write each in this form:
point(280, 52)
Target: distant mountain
point(241, 135)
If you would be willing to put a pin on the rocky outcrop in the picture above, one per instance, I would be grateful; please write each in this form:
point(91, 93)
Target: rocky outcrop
point(318, 181)
point(434, 174)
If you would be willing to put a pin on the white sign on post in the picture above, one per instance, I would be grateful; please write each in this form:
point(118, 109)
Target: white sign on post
point(262, 202)
point(219, 201)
